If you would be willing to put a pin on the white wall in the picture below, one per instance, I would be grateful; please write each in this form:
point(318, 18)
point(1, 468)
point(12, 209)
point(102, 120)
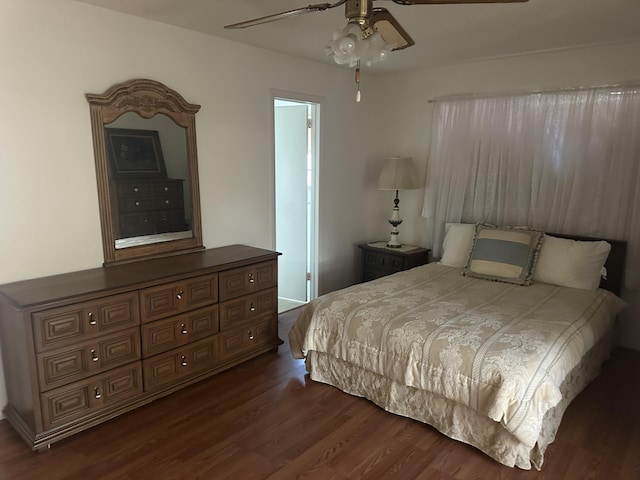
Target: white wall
point(55, 52)
point(405, 100)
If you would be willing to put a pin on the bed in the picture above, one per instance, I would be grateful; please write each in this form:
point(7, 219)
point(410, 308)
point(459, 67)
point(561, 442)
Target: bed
point(488, 360)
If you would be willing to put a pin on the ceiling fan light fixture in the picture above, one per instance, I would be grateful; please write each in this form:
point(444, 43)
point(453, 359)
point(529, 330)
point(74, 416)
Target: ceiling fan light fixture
point(371, 33)
point(344, 45)
point(350, 46)
point(374, 49)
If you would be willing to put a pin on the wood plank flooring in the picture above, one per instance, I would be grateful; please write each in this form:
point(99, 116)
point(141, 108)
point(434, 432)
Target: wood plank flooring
point(266, 420)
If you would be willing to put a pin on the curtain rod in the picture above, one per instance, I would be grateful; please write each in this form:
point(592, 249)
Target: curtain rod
point(472, 96)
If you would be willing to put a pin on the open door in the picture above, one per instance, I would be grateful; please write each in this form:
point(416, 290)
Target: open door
point(294, 191)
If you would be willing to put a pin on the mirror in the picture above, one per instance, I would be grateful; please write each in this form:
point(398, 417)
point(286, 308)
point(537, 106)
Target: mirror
point(144, 143)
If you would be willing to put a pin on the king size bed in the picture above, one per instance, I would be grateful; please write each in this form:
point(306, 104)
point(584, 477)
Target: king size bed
point(482, 345)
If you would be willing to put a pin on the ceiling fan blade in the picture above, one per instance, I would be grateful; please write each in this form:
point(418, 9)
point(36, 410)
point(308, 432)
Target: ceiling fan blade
point(318, 7)
point(392, 32)
point(449, 2)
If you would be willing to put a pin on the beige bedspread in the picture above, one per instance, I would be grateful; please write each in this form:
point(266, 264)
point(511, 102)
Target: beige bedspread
point(502, 350)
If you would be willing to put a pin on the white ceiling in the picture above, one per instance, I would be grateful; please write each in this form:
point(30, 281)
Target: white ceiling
point(444, 34)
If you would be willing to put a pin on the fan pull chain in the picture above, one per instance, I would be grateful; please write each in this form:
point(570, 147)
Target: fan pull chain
point(358, 82)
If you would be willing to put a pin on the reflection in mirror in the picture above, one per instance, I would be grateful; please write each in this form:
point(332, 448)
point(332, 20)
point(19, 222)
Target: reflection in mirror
point(144, 143)
point(149, 173)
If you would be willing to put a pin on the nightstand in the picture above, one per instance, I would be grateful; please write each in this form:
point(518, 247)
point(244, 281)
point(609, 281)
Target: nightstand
point(379, 260)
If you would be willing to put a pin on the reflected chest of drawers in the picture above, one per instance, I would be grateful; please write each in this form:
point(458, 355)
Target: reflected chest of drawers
point(149, 206)
point(83, 347)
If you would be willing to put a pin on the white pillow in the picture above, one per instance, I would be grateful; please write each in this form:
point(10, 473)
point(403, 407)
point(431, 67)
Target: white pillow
point(457, 244)
point(571, 263)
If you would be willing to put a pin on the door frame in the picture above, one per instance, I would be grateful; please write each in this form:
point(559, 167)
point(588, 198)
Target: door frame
point(315, 147)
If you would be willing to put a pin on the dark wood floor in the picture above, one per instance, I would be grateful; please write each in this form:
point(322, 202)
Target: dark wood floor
point(266, 420)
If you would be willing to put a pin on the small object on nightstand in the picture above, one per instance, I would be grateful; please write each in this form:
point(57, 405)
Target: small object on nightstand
point(379, 260)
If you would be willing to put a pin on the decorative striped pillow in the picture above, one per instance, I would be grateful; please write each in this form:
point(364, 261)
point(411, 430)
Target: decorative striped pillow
point(504, 254)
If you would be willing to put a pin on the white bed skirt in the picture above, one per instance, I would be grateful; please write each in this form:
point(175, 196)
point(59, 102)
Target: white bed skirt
point(457, 421)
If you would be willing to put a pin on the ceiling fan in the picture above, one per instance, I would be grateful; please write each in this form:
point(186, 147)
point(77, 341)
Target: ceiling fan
point(371, 33)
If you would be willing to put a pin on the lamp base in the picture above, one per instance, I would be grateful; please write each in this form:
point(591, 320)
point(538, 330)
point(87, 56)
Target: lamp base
point(395, 220)
point(393, 242)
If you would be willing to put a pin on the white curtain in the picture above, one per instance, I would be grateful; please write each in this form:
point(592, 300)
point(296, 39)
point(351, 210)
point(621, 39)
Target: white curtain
point(564, 162)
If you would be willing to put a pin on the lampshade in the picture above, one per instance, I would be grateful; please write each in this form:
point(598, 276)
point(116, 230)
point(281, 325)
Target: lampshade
point(398, 174)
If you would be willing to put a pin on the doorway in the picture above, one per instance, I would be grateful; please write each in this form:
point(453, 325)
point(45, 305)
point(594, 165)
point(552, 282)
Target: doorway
point(296, 124)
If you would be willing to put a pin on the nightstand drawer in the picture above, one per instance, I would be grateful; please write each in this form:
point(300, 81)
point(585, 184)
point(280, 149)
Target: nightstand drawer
point(373, 273)
point(386, 261)
point(378, 261)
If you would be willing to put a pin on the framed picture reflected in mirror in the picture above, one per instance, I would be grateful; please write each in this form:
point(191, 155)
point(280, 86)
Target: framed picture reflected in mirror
point(135, 153)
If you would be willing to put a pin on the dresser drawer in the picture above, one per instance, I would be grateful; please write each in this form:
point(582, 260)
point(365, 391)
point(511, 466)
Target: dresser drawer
point(178, 297)
point(246, 309)
point(89, 396)
point(134, 189)
point(167, 203)
point(130, 205)
point(169, 221)
point(75, 323)
point(245, 280)
point(171, 189)
point(180, 364)
point(241, 341)
point(134, 224)
point(168, 333)
point(70, 364)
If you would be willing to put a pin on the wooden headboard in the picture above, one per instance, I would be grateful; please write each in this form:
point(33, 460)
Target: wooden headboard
point(614, 264)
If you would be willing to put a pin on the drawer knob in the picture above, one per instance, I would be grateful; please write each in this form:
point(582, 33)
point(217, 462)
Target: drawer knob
point(183, 361)
point(250, 335)
point(179, 295)
point(251, 278)
point(135, 189)
point(137, 204)
point(183, 329)
point(96, 393)
point(92, 320)
point(252, 308)
point(94, 356)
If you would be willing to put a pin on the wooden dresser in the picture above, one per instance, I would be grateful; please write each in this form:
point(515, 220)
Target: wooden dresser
point(150, 205)
point(83, 347)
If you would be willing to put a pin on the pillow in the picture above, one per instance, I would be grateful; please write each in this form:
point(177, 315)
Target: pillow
point(504, 254)
point(571, 263)
point(457, 244)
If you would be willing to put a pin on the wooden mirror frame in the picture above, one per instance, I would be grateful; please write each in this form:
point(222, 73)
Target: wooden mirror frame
point(147, 98)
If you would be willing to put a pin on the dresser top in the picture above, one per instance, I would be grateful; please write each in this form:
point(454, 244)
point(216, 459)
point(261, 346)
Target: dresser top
point(113, 279)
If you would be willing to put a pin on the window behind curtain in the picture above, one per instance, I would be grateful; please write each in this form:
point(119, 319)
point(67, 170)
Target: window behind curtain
point(564, 162)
